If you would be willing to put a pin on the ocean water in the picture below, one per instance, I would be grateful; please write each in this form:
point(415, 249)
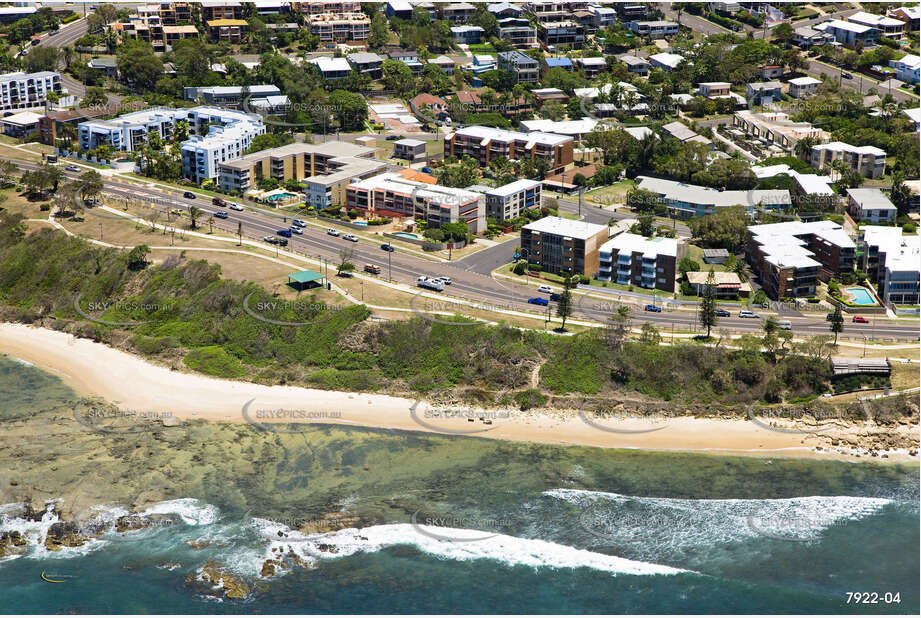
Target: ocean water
point(432, 524)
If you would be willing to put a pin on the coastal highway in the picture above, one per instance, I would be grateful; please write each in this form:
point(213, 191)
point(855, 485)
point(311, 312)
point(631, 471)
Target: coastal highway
point(404, 267)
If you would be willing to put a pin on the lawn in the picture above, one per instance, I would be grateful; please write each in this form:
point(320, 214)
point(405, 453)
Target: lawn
point(697, 254)
point(615, 193)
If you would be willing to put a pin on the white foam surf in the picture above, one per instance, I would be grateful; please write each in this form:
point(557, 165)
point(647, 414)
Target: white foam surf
point(535, 553)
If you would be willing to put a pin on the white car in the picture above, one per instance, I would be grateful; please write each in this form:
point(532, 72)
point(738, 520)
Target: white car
point(446, 280)
point(332, 232)
point(234, 206)
point(545, 289)
point(351, 237)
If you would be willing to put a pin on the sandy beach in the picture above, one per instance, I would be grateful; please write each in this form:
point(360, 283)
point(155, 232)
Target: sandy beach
point(135, 384)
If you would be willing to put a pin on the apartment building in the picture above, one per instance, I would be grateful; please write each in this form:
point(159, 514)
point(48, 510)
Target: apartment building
point(457, 12)
point(636, 64)
point(483, 143)
point(549, 10)
point(631, 259)
point(870, 205)
point(907, 68)
point(890, 27)
point(790, 258)
point(518, 34)
point(565, 32)
point(870, 161)
point(340, 27)
point(231, 30)
point(63, 123)
point(525, 68)
point(892, 261)
point(218, 135)
point(409, 149)
point(221, 9)
point(503, 10)
point(324, 169)
point(909, 15)
point(563, 246)
point(687, 201)
point(394, 195)
point(228, 96)
point(332, 68)
point(509, 201)
point(776, 128)
point(467, 35)
point(169, 13)
point(655, 29)
point(19, 91)
point(128, 131)
point(850, 34)
point(326, 6)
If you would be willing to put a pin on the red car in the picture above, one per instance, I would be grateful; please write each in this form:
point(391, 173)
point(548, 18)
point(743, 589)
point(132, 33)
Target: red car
point(860, 319)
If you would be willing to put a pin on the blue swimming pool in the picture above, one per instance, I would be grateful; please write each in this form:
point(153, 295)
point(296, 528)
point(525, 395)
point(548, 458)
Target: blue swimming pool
point(860, 296)
point(280, 196)
point(405, 235)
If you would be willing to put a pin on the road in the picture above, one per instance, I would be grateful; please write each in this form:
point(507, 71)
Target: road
point(63, 37)
point(859, 83)
point(404, 267)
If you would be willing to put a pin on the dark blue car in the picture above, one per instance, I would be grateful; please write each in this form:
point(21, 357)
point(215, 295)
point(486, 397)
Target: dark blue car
point(386, 247)
point(539, 301)
point(285, 233)
point(653, 308)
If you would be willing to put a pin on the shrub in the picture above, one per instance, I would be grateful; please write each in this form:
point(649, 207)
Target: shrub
point(216, 361)
point(530, 398)
point(519, 268)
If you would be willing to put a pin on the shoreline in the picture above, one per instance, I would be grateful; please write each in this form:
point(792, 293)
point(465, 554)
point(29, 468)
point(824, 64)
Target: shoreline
point(136, 384)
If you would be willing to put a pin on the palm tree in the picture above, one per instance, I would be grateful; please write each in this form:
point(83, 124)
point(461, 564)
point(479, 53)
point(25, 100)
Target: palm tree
point(67, 54)
point(194, 214)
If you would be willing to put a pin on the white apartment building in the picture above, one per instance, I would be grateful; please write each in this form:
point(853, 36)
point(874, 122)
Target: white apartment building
point(129, 131)
point(870, 205)
point(631, 259)
point(802, 87)
point(509, 201)
point(893, 261)
point(870, 161)
point(28, 90)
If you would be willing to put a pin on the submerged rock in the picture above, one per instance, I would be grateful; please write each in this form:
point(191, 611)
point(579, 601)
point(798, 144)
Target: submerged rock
point(219, 577)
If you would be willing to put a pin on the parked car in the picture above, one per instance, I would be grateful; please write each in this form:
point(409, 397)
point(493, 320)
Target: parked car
point(653, 308)
point(539, 301)
point(332, 232)
point(859, 319)
point(721, 313)
point(234, 206)
point(295, 230)
point(72, 168)
point(387, 247)
point(545, 289)
point(350, 237)
point(748, 314)
point(298, 223)
point(188, 195)
point(218, 201)
point(285, 233)
point(221, 214)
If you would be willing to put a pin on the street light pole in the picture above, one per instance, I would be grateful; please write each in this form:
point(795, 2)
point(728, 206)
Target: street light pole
point(390, 265)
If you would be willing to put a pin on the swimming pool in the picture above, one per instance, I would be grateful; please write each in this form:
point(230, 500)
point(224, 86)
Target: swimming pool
point(860, 296)
point(280, 196)
point(405, 235)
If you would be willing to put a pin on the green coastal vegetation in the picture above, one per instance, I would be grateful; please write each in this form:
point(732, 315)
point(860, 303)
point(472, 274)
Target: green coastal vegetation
point(183, 313)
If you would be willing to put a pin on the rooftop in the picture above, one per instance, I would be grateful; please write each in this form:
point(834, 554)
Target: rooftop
point(435, 194)
point(871, 199)
point(489, 133)
point(514, 187)
point(567, 228)
point(649, 247)
point(695, 194)
point(784, 248)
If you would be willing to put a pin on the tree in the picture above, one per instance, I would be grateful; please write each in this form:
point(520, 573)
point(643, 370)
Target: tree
point(380, 31)
point(564, 305)
point(240, 232)
point(618, 328)
point(770, 326)
point(210, 224)
point(649, 334)
point(194, 214)
point(553, 111)
point(783, 32)
point(42, 58)
point(351, 109)
point(95, 96)
point(138, 64)
point(642, 200)
point(837, 323)
point(137, 257)
point(708, 304)
point(90, 184)
point(726, 228)
point(345, 256)
point(687, 265)
point(900, 194)
point(645, 226)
